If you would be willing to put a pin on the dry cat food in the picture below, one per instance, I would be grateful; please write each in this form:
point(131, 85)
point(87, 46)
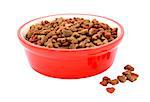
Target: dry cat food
point(110, 89)
point(126, 75)
point(71, 33)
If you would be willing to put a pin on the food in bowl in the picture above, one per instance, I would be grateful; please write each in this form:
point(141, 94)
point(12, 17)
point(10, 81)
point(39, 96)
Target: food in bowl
point(71, 33)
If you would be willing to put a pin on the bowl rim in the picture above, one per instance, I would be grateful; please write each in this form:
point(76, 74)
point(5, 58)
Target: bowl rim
point(70, 50)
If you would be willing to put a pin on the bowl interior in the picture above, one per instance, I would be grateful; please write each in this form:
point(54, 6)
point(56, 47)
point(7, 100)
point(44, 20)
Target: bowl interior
point(108, 21)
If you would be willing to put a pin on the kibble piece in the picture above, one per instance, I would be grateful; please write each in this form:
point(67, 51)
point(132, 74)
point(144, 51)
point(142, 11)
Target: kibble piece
point(65, 43)
point(44, 32)
point(105, 41)
point(82, 44)
point(49, 44)
point(44, 22)
point(56, 45)
point(39, 42)
point(129, 67)
point(132, 77)
point(84, 31)
point(107, 79)
point(67, 33)
point(104, 83)
point(96, 36)
point(73, 40)
point(114, 81)
point(92, 31)
point(87, 40)
point(40, 36)
point(98, 42)
point(50, 34)
point(75, 34)
point(110, 39)
point(104, 26)
point(114, 31)
point(95, 21)
point(110, 89)
point(107, 34)
point(73, 46)
point(126, 72)
point(122, 78)
point(61, 40)
point(81, 38)
point(89, 44)
point(33, 38)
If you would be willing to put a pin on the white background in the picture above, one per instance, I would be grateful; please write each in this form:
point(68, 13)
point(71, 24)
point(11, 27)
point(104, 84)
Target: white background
point(19, 83)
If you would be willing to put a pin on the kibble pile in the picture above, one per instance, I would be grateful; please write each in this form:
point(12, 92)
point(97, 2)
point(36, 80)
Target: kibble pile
point(71, 33)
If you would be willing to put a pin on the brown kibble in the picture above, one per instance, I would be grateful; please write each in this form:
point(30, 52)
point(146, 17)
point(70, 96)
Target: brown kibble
point(67, 33)
point(107, 34)
point(105, 41)
point(75, 34)
point(132, 77)
point(87, 40)
point(70, 33)
point(44, 32)
point(110, 39)
point(81, 38)
point(98, 42)
point(114, 81)
point(104, 26)
point(126, 72)
point(104, 83)
point(44, 22)
point(56, 45)
point(65, 43)
point(89, 44)
point(84, 31)
point(95, 21)
point(122, 78)
point(114, 31)
point(127, 75)
point(82, 44)
point(49, 44)
point(96, 36)
point(73, 46)
point(73, 40)
point(114, 36)
point(33, 38)
point(61, 40)
point(50, 34)
point(39, 42)
point(110, 89)
point(129, 67)
point(92, 31)
point(106, 78)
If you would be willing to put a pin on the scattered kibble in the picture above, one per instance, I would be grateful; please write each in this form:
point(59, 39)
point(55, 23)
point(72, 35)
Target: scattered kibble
point(106, 78)
point(132, 77)
point(104, 83)
point(129, 67)
point(122, 78)
point(126, 72)
point(114, 81)
point(110, 89)
point(126, 75)
point(71, 33)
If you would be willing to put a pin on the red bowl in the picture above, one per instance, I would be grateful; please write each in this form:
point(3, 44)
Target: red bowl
point(71, 63)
